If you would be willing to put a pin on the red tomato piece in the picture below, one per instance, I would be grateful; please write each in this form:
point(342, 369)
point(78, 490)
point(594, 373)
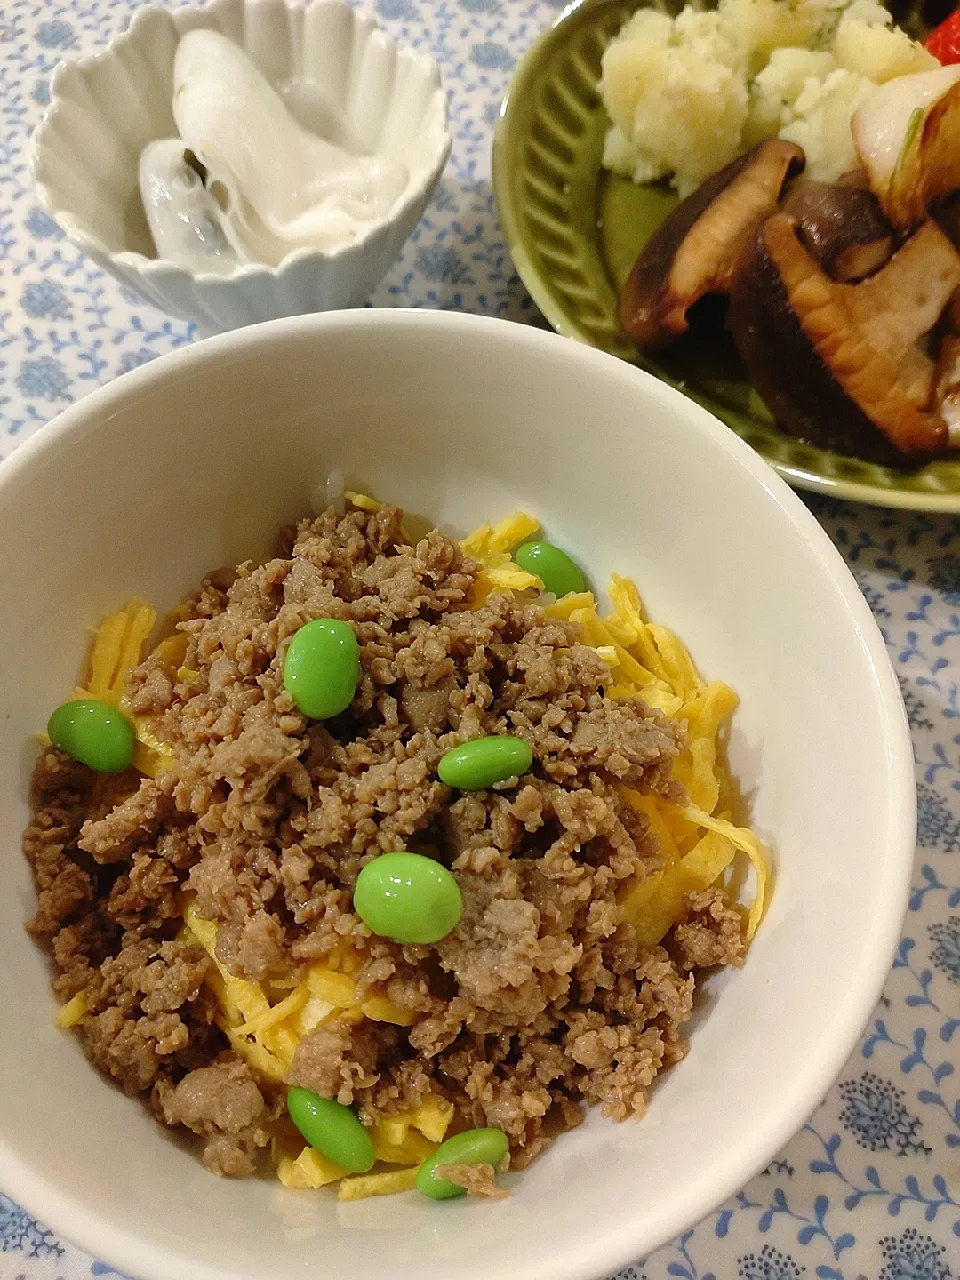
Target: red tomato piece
point(944, 41)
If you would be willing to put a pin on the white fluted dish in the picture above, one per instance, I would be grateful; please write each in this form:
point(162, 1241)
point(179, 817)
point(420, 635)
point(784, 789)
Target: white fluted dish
point(324, 59)
point(210, 450)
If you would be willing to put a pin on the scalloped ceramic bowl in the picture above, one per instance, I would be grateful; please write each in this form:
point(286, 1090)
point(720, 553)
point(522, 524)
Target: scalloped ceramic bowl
point(211, 449)
point(324, 59)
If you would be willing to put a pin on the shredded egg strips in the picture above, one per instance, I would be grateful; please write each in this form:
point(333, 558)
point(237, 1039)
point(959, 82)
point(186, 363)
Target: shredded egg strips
point(701, 844)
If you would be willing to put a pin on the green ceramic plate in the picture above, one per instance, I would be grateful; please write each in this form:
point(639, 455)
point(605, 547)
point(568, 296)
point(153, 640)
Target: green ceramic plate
point(574, 230)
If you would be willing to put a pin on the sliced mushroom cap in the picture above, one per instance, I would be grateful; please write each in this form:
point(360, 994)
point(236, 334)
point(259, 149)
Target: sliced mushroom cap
point(948, 371)
point(948, 387)
point(695, 249)
point(843, 227)
point(838, 364)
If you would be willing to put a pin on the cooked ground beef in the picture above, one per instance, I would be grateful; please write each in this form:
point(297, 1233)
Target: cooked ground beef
point(711, 933)
point(539, 1000)
point(224, 1104)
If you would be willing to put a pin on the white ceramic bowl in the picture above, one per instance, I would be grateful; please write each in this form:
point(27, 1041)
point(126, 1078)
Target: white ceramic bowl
point(324, 59)
point(194, 461)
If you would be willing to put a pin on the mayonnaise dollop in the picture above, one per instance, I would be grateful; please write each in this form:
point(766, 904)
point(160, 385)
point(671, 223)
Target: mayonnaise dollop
point(270, 186)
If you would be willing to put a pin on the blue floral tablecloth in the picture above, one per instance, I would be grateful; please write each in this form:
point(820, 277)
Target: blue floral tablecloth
point(870, 1188)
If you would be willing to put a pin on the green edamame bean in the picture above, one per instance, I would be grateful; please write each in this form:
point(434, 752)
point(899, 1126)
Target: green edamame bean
point(553, 567)
point(322, 668)
point(476, 1146)
point(94, 733)
point(332, 1129)
point(484, 761)
point(407, 897)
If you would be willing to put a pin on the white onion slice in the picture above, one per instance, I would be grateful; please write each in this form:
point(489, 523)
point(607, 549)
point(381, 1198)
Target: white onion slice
point(280, 186)
point(885, 121)
point(183, 217)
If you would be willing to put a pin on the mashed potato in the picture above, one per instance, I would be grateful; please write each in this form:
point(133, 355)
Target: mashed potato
point(820, 123)
point(677, 95)
point(687, 94)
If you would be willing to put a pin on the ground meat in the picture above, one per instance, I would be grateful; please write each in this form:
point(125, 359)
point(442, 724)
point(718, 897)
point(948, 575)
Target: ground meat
point(336, 1061)
point(148, 1012)
point(224, 1104)
point(712, 933)
point(538, 1001)
point(476, 1179)
point(61, 794)
point(254, 949)
point(134, 822)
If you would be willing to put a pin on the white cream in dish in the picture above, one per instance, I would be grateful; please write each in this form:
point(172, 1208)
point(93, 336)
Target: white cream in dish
point(270, 185)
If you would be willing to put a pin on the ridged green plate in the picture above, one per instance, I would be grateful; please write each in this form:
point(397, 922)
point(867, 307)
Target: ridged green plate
point(574, 231)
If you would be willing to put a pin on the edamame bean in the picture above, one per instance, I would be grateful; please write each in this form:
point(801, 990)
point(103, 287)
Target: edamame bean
point(332, 1129)
point(484, 761)
point(553, 567)
point(476, 1146)
point(322, 668)
point(407, 897)
point(94, 733)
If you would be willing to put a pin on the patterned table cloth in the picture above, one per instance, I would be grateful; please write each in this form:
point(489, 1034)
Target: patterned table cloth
point(870, 1187)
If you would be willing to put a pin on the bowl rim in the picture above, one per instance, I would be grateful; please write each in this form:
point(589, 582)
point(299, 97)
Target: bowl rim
point(165, 269)
point(855, 1003)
